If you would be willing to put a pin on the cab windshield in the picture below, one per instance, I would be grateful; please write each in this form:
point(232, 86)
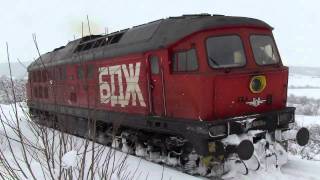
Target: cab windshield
point(264, 50)
point(225, 51)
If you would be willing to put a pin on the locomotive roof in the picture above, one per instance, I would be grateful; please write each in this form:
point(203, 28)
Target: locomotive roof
point(149, 36)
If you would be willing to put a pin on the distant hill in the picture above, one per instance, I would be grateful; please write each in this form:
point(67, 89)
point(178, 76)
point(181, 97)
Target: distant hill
point(18, 70)
point(308, 71)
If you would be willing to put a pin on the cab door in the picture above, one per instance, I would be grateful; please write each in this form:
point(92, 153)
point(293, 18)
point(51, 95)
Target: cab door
point(155, 85)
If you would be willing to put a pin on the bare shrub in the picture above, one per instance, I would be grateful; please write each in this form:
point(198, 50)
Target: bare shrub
point(31, 151)
point(304, 105)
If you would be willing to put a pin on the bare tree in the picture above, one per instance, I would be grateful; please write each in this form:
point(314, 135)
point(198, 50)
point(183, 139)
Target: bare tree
point(35, 151)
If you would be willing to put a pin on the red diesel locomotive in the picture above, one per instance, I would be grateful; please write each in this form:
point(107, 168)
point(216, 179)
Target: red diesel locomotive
point(178, 90)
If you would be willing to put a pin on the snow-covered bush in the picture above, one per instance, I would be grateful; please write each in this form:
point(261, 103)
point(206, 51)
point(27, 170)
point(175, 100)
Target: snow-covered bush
point(6, 93)
point(31, 151)
point(312, 150)
point(304, 105)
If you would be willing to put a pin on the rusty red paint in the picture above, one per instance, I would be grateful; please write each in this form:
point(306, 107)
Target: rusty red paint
point(207, 94)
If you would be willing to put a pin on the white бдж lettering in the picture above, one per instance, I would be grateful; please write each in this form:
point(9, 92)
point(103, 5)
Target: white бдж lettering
point(108, 87)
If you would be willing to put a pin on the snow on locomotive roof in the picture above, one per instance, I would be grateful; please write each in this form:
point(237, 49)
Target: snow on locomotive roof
point(149, 36)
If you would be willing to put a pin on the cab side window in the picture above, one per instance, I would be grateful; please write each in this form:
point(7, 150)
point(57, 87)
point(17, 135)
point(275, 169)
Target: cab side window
point(185, 61)
point(90, 71)
point(80, 72)
point(154, 64)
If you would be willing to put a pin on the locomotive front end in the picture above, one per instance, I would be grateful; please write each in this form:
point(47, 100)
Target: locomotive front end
point(251, 122)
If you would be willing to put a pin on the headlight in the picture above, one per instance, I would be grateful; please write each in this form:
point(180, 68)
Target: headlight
point(258, 84)
point(217, 131)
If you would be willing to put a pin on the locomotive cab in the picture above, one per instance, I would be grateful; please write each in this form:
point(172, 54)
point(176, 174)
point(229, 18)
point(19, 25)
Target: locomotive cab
point(248, 75)
point(226, 72)
point(232, 78)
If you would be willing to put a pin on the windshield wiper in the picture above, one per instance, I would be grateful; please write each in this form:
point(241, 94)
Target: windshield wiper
point(213, 61)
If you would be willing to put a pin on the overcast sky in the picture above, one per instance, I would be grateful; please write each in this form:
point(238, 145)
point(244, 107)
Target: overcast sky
point(55, 22)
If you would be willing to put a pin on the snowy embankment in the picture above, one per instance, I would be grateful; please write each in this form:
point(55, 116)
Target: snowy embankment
point(295, 169)
point(301, 169)
point(129, 167)
point(119, 165)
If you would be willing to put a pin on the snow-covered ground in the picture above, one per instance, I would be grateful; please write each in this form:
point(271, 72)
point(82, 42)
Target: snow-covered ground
point(136, 167)
point(301, 169)
point(295, 169)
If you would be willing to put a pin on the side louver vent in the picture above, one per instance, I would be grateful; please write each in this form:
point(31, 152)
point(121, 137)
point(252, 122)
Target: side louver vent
point(95, 41)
